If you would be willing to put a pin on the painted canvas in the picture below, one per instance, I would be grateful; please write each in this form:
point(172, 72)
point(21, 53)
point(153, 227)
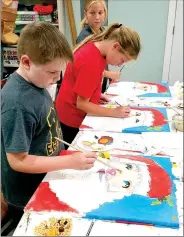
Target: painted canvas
point(141, 119)
point(170, 147)
point(107, 142)
point(103, 228)
point(144, 192)
point(146, 101)
point(140, 89)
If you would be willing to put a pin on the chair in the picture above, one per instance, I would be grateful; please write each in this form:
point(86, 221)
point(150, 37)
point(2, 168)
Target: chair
point(7, 223)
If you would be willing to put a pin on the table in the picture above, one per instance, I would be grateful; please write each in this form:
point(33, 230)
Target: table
point(84, 227)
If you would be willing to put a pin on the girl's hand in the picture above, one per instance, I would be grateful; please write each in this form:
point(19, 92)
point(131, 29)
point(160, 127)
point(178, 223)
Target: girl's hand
point(121, 112)
point(104, 99)
point(115, 76)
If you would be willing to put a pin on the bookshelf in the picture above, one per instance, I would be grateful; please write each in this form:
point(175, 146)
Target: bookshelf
point(26, 15)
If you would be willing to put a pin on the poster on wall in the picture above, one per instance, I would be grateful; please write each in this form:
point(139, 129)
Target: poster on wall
point(82, 10)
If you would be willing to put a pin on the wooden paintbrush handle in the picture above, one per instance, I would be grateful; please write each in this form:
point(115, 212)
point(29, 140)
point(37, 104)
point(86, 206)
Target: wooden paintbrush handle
point(98, 159)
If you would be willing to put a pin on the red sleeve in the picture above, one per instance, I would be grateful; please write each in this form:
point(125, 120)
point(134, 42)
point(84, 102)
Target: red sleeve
point(66, 152)
point(87, 79)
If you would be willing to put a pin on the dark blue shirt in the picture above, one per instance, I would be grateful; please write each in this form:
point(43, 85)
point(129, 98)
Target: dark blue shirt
point(85, 32)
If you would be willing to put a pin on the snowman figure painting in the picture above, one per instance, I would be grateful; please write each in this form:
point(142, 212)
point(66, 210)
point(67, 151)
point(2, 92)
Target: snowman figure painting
point(142, 192)
point(141, 119)
point(150, 89)
point(145, 119)
point(139, 176)
point(140, 89)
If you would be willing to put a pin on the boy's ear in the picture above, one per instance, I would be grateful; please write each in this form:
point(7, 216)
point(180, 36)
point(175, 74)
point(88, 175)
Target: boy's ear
point(25, 61)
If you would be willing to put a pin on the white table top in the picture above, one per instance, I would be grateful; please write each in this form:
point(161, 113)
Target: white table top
point(83, 227)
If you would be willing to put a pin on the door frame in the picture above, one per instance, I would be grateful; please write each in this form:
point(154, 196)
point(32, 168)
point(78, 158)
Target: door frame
point(169, 39)
point(61, 16)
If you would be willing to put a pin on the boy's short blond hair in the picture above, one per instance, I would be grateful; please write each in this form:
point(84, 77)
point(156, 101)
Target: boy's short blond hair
point(43, 42)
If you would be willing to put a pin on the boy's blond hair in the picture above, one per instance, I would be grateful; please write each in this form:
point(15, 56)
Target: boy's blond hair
point(128, 39)
point(87, 4)
point(43, 42)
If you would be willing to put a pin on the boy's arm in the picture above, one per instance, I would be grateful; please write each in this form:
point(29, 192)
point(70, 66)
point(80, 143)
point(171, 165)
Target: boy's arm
point(25, 163)
point(18, 129)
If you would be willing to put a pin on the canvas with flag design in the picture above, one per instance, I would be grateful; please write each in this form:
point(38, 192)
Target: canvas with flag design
point(144, 192)
point(141, 119)
point(139, 89)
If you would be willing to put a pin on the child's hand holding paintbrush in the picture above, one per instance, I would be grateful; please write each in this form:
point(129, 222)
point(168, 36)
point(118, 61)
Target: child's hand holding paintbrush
point(115, 76)
point(87, 158)
point(121, 111)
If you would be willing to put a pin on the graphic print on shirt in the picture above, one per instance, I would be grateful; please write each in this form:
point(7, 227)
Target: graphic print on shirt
point(55, 131)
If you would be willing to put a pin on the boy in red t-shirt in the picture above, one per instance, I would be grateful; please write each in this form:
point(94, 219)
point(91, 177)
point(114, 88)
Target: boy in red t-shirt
point(80, 91)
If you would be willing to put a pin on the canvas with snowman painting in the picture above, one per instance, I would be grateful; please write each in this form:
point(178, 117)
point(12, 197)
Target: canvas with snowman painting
point(141, 119)
point(139, 89)
point(144, 192)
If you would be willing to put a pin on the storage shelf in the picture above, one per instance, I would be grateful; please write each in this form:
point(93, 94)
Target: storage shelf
point(10, 65)
point(28, 22)
point(20, 24)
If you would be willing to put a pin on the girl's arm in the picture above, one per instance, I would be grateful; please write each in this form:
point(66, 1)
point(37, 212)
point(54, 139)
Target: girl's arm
point(96, 110)
point(112, 75)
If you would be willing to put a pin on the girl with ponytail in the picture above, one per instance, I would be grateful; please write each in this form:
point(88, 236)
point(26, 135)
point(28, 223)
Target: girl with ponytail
point(80, 91)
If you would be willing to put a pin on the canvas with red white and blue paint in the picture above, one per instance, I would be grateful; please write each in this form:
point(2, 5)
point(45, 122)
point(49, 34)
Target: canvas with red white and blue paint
point(144, 192)
point(139, 89)
point(141, 119)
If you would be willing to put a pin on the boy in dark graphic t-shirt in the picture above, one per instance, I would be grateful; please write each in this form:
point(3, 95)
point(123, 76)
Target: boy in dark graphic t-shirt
point(29, 122)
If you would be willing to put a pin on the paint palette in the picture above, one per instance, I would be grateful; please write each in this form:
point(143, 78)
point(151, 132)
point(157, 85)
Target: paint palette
point(54, 227)
point(51, 224)
point(95, 142)
point(121, 143)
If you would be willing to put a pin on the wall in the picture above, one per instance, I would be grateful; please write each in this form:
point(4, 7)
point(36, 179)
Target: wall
point(77, 15)
point(176, 64)
point(149, 18)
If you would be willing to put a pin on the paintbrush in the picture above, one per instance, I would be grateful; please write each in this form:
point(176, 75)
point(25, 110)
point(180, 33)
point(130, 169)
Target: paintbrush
point(117, 103)
point(123, 106)
point(98, 159)
point(122, 68)
point(174, 121)
point(175, 110)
